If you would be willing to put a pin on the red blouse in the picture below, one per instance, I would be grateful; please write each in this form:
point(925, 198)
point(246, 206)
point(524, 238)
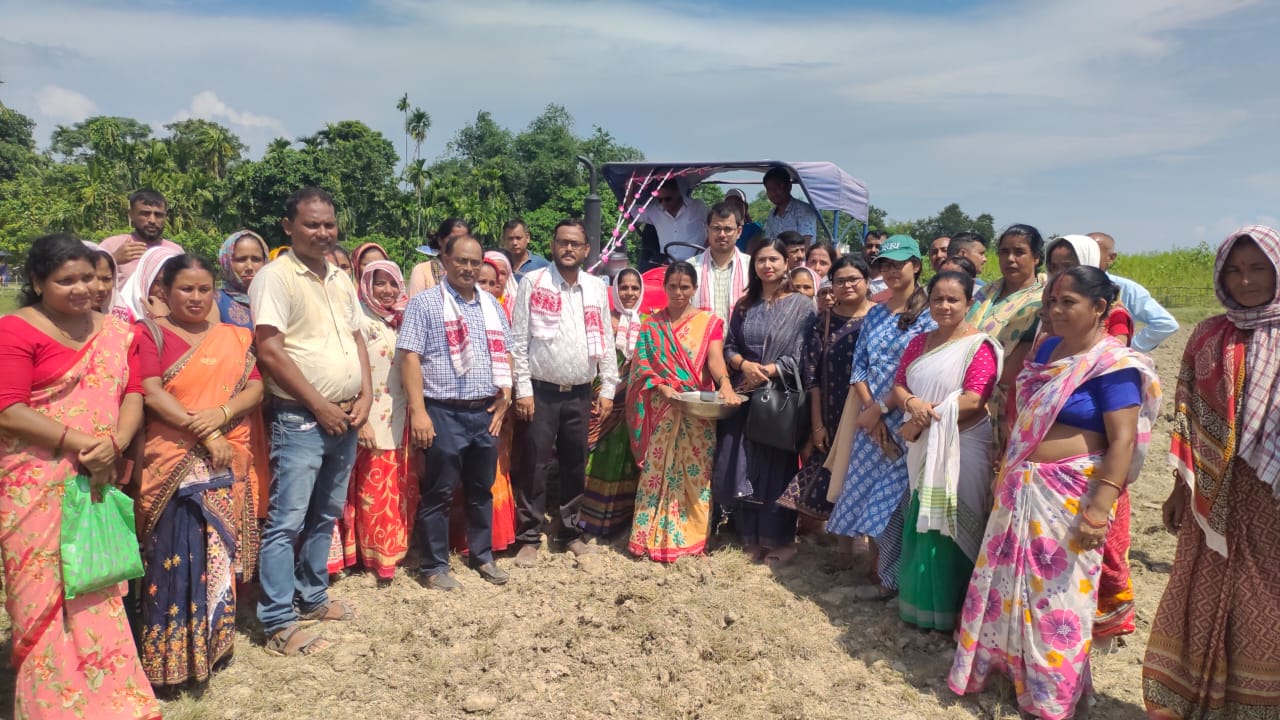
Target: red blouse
point(1120, 322)
point(31, 359)
point(152, 362)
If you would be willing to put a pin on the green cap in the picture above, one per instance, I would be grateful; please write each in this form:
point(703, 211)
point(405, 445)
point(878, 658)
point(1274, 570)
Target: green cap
point(899, 248)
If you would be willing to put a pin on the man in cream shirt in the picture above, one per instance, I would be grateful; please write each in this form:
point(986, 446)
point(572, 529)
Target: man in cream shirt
point(312, 352)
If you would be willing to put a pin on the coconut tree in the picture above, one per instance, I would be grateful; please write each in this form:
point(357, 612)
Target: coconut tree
point(417, 124)
point(403, 106)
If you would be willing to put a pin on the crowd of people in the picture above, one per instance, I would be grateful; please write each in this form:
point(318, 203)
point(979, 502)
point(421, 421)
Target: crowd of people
point(291, 414)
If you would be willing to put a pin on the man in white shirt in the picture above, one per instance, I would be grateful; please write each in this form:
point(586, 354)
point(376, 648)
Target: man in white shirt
point(561, 340)
point(677, 218)
point(788, 213)
point(1157, 323)
point(722, 268)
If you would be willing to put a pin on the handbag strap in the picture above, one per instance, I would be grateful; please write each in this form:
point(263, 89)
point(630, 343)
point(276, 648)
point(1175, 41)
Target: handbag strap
point(822, 366)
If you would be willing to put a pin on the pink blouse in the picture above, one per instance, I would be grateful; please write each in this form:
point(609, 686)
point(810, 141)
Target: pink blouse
point(979, 378)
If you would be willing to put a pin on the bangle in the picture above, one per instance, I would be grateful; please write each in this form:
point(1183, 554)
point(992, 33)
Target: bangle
point(1084, 517)
point(57, 451)
point(114, 445)
point(212, 436)
point(1112, 483)
point(226, 413)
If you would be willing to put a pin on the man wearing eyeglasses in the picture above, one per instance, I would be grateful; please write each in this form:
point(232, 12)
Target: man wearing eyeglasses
point(678, 219)
point(722, 267)
point(561, 341)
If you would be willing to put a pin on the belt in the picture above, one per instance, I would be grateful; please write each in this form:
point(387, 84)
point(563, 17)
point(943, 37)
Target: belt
point(563, 389)
point(481, 404)
point(343, 405)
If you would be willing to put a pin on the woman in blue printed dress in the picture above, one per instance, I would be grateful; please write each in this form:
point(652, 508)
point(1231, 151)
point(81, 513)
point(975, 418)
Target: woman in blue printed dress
point(874, 496)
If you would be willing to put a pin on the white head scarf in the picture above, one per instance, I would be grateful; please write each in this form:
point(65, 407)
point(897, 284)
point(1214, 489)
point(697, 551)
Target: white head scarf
point(629, 321)
point(1086, 249)
point(138, 287)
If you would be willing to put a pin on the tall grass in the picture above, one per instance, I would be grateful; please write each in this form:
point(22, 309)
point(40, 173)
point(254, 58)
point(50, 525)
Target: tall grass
point(1176, 278)
point(1182, 277)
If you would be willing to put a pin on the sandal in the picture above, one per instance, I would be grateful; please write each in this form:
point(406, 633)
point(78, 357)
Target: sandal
point(294, 642)
point(332, 611)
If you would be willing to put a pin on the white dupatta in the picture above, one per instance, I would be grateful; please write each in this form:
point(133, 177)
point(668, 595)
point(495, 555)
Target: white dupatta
point(934, 458)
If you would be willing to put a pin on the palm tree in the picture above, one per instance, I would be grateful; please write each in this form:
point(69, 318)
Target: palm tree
point(219, 149)
point(403, 106)
point(278, 145)
point(416, 126)
point(416, 176)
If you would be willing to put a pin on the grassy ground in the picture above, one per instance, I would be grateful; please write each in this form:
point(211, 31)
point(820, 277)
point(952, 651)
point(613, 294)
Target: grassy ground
point(8, 300)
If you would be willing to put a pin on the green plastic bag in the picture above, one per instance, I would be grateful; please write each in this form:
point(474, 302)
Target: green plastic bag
point(99, 543)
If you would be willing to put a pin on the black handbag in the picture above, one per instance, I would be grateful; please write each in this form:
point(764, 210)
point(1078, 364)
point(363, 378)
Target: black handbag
point(779, 414)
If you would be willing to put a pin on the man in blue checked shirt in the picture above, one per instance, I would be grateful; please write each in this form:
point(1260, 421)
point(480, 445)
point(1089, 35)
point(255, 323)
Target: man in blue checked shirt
point(1156, 324)
point(457, 377)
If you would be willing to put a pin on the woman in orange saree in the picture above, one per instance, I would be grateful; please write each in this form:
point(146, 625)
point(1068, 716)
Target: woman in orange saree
point(68, 401)
point(196, 516)
point(680, 349)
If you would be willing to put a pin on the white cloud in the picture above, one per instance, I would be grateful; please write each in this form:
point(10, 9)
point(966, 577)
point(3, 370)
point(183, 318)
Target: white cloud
point(59, 103)
point(208, 106)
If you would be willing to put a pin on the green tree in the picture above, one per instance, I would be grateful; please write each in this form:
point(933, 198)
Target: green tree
point(416, 126)
point(17, 144)
point(402, 105)
point(951, 219)
point(204, 146)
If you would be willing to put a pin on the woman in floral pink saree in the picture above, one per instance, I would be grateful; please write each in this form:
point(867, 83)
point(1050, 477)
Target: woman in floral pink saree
point(1088, 403)
point(68, 402)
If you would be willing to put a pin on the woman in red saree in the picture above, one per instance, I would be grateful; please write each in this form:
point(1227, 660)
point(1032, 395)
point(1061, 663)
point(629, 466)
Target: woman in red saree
point(1213, 650)
point(68, 401)
point(680, 349)
point(373, 531)
point(196, 516)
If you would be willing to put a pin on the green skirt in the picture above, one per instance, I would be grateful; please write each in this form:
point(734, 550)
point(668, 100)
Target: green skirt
point(609, 495)
point(933, 576)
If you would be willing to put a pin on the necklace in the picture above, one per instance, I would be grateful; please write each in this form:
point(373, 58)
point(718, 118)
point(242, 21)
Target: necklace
point(191, 336)
point(79, 335)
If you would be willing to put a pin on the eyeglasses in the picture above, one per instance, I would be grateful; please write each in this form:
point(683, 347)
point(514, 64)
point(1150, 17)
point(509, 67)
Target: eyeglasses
point(723, 229)
point(571, 244)
point(850, 281)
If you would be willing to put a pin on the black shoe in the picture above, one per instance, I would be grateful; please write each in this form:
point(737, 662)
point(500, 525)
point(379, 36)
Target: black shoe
point(440, 581)
point(492, 573)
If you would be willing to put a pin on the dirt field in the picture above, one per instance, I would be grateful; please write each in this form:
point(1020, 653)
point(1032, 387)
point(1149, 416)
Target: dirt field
point(715, 637)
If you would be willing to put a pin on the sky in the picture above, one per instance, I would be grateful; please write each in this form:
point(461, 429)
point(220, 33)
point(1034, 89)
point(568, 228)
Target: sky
point(1153, 120)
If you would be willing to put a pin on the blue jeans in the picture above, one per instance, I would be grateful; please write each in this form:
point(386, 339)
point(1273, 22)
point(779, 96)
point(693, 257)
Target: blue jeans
point(309, 474)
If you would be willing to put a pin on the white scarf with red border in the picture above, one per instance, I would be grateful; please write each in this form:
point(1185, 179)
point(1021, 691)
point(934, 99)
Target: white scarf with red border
point(461, 352)
point(545, 307)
